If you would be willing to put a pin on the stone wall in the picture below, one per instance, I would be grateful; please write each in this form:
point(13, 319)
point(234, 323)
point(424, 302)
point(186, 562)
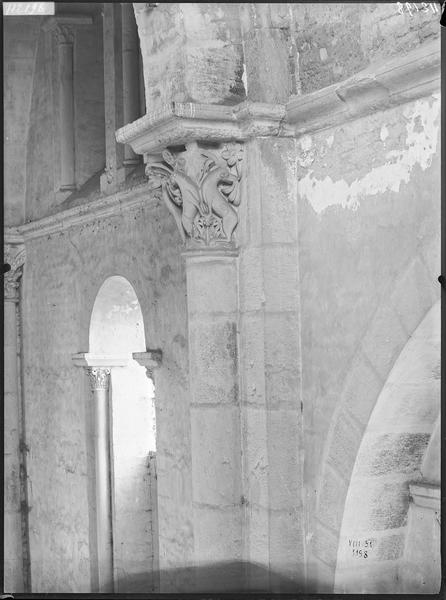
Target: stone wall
point(191, 53)
point(61, 281)
point(43, 167)
point(19, 43)
point(334, 41)
point(338, 258)
point(369, 228)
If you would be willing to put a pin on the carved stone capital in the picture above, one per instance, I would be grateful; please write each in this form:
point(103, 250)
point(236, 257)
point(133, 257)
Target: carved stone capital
point(99, 378)
point(201, 188)
point(14, 259)
point(64, 34)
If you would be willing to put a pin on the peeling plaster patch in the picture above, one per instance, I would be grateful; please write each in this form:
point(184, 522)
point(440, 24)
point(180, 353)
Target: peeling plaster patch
point(384, 133)
point(306, 142)
point(421, 145)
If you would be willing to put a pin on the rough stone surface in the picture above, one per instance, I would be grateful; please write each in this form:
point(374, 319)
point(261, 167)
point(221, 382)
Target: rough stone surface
point(191, 53)
point(56, 405)
point(298, 393)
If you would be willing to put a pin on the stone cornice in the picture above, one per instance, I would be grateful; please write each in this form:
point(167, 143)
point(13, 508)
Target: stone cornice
point(56, 21)
point(12, 236)
point(378, 87)
point(85, 213)
point(86, 360)
point(399, 80)
point(178, 123)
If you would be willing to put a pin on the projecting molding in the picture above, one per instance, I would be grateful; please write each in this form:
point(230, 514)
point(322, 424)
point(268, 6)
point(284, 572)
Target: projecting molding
point(83, 214)
point(178, 123)
point(86, 359)
point(380, 86)
point(399, 80)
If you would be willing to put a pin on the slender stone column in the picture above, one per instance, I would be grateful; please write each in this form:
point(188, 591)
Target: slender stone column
point(13, 545)
point(65, 40)
point(130, 75)
point(100, 380)
point(98, 368)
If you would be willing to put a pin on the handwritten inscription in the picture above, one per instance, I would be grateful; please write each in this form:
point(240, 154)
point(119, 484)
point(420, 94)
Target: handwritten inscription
point(411, 7)
point(28, 8)
point(361, 548)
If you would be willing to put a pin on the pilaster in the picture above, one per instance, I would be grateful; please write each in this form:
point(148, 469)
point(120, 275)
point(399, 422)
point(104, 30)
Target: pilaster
point(64, 30)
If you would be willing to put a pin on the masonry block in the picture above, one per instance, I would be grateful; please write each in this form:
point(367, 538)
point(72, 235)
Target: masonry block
point(252, 295)
point(415, 294)
point(216, 461)
point(213, 359)
point(255, 456)
point(213, 287)
point(391, 453)
point(384, 339)
point(252, 357)
point(285, 459)
point(345, 441)
point(281, 278)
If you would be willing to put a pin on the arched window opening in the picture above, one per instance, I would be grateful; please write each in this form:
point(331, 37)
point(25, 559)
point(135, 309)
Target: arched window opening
point(116, 332)
point(393, 497)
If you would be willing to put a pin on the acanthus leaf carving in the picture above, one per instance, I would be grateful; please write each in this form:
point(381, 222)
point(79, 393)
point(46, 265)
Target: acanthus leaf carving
point(64, 34)
point(99, 377)
point(14, 257)
point(201, 189)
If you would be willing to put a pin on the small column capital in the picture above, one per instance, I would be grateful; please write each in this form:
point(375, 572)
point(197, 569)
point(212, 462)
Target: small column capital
point(63, 27)
point(99, 378)
point(14, 259)
point(98, 367)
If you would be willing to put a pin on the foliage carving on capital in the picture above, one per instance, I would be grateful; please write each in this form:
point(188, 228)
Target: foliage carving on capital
point(201, 188)
point(64, 34)
point(99, 378)
point(14, 259)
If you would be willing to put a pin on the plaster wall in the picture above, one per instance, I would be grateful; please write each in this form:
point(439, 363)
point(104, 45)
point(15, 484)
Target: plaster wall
point(19, 51)
point(369, 255)
point(61, 281)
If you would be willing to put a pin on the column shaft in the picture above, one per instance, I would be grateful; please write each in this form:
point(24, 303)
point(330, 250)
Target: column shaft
point(215, 419)
point(100, 378)
point(130, 74)
point(67, 174)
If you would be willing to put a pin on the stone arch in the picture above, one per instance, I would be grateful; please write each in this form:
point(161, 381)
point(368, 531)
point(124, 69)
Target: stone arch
point(117, 331)
point(374, 526)
point(396, 318)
